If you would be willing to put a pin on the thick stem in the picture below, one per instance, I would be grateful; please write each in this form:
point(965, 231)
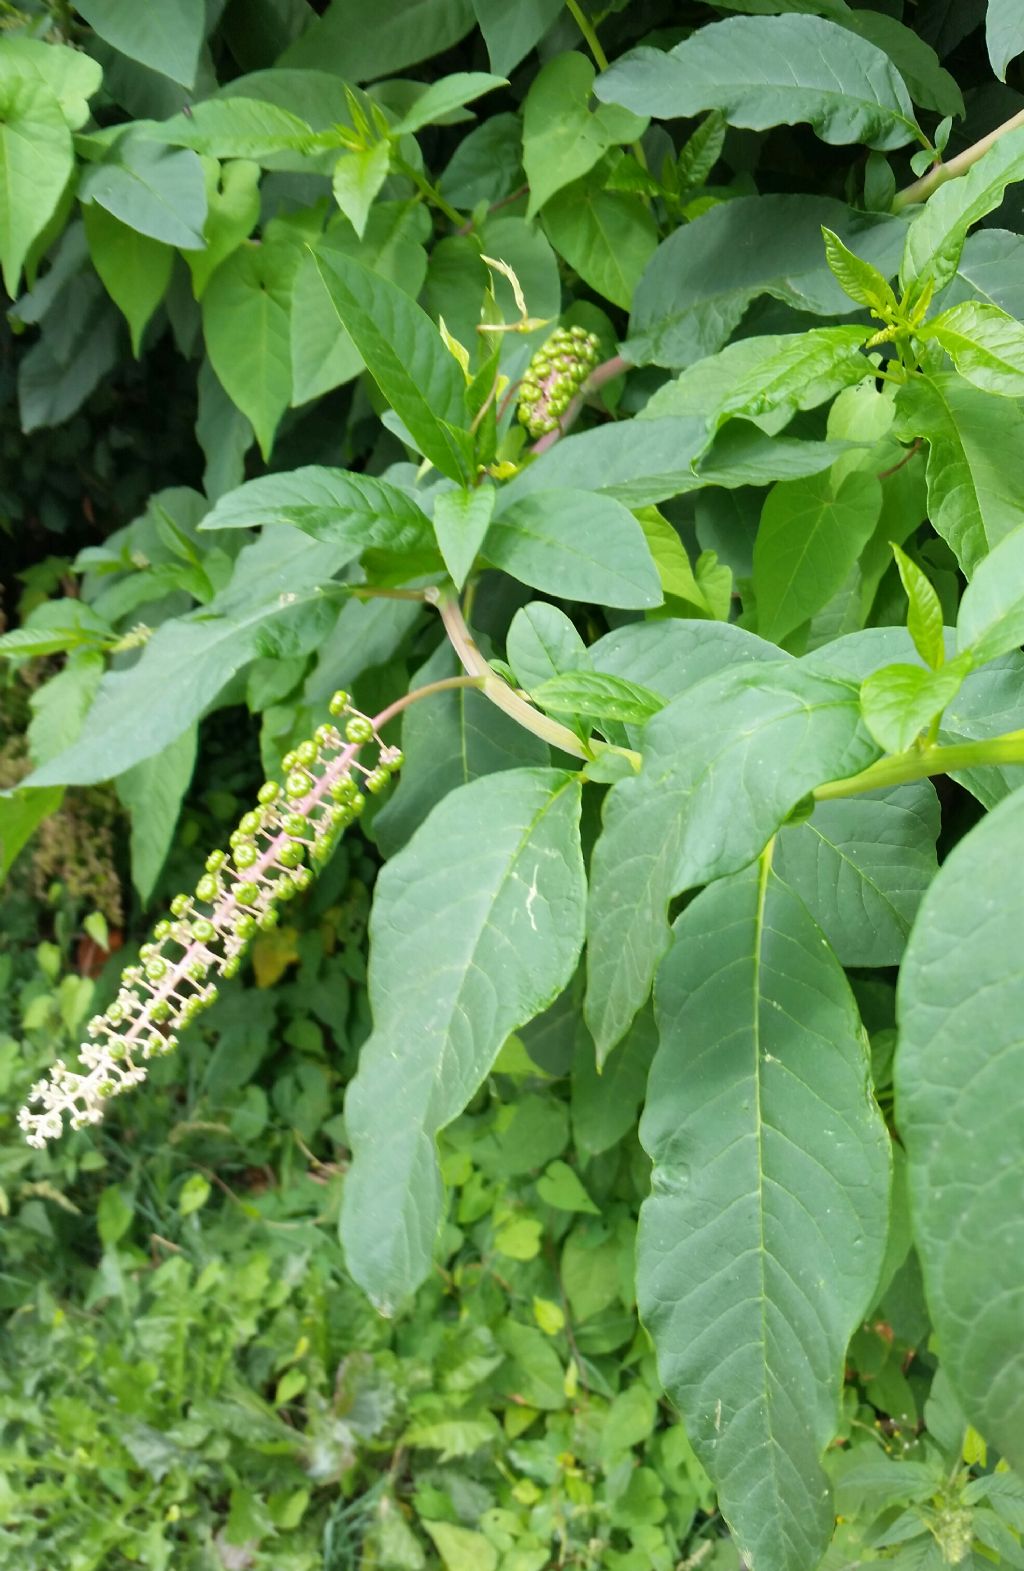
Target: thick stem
point(919, 763)
point(590, 37)
point(930, 181)
point(607, 371)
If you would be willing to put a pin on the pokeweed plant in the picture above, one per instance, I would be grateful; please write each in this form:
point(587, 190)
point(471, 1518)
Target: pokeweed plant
point(780, 594)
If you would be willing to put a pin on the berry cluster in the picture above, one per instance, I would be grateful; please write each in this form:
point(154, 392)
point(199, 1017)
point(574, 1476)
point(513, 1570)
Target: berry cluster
point(554, 377)
point(208, 932)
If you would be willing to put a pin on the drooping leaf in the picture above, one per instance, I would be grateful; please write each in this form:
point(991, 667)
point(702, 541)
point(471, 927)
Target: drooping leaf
point(960, 998)
point(246, 328)
point(936, 236)
point(975, 461)
point(811, 534)
point(577, 545)
point(157, 190)
point(605, 1105)
point(861, 865)
point(765, 71)
point(357, 180)
point(135, 269)
point(900, 701)
point(165, 37)
point(916, 61)
point(448, 740)
point(510, 32)
point(461, 520)
point(21, 813)
point(153, 791)
point(363, 44)
point(446, 95)
point(924, 611)
point(1004, 34)
point(701, 280)
point(562, 137)
point(985, 344)
point(36, 162)
point(406, 358)
point(760, 1245)
point(476, 927)
point(724, 765)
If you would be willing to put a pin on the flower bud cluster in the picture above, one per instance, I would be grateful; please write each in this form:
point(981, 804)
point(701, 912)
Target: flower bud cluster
point(554, 377)
point(271, 858)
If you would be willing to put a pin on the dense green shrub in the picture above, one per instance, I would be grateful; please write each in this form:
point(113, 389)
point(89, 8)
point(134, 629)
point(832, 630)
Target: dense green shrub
point(640, 447)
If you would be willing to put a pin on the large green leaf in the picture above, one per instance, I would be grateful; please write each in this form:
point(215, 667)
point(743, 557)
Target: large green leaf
point(936, 236)
point(165, 36)
point(991, 269)
point(237, 128)
point(232, 212)
point(916, 61)
point(959, 1067)
point(760, 1245)
point(1004, 34)
point(153, 791)
point(975, 461)
point(605, 1104)
point(159, 191)
point(724, 765)
point(607, 236)
point(362, 43)
point(447, 741)
point(443, 97)
point(765, 71)
point(812, 531)
point(991, 617)
point(701, 280)
point(405, 356)
point(510, 32)
point(36, 162)
point(135, 269)
point(562, 137)
point(476, 927)
point(984, 343)
point(70, 75)
point(861, 865)
point(246, 327)
point(577, 545)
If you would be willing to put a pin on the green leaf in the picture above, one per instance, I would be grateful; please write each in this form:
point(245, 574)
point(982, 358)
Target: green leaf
point(991, 616)
point(510, 32)
point(70, 75)
point(763, 71)
point(669, 554)
point(232, 213)
point(760, 1245)
point(159, 191)
point(562, 138)
point(812, 532)
point(36, 162)
point(535, 1377)
point(406, 358)
point(724, 765)
point(924, 613)
point(476, 927)
point(153, 792)
point(607, 236)
point(461, 520)
point(1004, 34)
point(936, 236)
point(559, 1186)
point(857, 278)
point(134, 269)
point(237, 128)
point(598, 695)
point(165, 37)
point(247, 332)
point(362, 44)
point(323, 354)
point(984, 343)
point(21, 813)
point(900, 701)
point(577, 546)
point(605, 1104)
point(701, 280)
point(975, 461)
point(861, 865)
point(446, 95)
point(357, 180)
point(916, 61)
point(960, 1054)
point(462, 1549)
point(59, 706)
point(447, 741)
point(541, 642)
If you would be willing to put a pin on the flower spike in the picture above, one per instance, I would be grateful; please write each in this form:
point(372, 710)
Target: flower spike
point(554, 376)
point(208, 932)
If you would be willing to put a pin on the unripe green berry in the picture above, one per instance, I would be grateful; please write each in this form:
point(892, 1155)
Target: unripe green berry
point(284, 889)
point(297, 785)
point(339, 703)
point(247, 894)
point(357, 804)
point(302, 878)
point(290, 855)
point(207, 888)
point(308, 753)
point(325, 736)
point(245, 926)
point(295, 824)
point(160, 1010)
point(377, 780)
point(179, 905)
point(198, 971)
point(115, 1014)
point(289, 760)
point(238, 837)
point(359, 729)
point(204, 930)
point(230, 968)
point(215, 861)
point(269, 920)
point(156, 970)
point(245, 856)
point(268, 792)
point(344, 789)
point(147, 951)
point(250, 822)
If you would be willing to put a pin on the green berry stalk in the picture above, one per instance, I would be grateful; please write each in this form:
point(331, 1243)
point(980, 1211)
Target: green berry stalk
point(208, 932)
point(553, 378)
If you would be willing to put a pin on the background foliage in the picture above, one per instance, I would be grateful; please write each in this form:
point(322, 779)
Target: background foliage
point(191, 1377)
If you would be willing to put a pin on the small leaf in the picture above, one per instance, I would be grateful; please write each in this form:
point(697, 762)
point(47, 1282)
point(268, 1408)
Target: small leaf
point(576, 545)
point(857, 278)
point(446, 95)
point(232, 212)
point(160, 191)
point(461, 520)
point(991, 617)
point(541, 642)
point(562, 137)
point(900, 701)
point(984, 343)
point(357, 179)
point(560, 1186)
point(936, 236)
point(36, 163)
point(924, 614)
point(247, 331)
point(134, 269)
point(193, 1194)
point(598, 695)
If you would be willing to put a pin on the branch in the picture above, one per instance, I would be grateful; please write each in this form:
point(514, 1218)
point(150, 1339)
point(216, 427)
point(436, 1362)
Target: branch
point(930, 181)
point(919, 763)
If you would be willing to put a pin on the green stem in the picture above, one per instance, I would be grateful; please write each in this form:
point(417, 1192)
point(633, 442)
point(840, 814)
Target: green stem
point(590, 37)
point(930, 181)
point(443, 686)
point(431, 193)
point(919, 763)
